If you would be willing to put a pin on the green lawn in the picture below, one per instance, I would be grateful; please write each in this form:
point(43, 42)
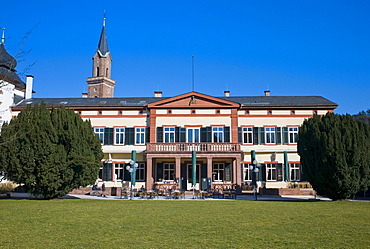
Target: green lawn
point(183, 224)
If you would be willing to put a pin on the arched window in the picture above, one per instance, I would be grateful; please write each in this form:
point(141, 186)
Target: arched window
point(97, 71)
point(106, 72)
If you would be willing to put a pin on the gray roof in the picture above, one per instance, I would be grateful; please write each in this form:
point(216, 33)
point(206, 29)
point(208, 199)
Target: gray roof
point(7, 69)
point(246, 102)
point(281, 101)
point(103, 43)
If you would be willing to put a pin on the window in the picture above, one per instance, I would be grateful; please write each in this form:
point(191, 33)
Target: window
point(140, 135)
point(270, 135)
point(271, 172)
point(295, 174)
point(119, 169)
point(169, 134)
point(218, 171)
point(169, 171)
point(100, 133)
point(193, 135)
point(120, 136)
point(140, 172)
point(247, 172)
point(293, 135)
point(247, 135)
point(105, 172)
point(218, 134)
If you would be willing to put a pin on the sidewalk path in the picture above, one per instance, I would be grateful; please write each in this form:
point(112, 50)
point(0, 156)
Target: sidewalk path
point(190, 198)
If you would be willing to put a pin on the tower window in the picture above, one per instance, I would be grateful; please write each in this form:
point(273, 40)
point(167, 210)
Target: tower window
point(106, 72)
point(97, 71)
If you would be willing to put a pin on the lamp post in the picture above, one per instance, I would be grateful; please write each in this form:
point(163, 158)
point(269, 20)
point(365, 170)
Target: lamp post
point(254, 170)
point(131, 168)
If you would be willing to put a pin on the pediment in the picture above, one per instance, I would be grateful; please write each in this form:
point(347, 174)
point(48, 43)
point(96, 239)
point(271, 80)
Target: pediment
point(193, 100)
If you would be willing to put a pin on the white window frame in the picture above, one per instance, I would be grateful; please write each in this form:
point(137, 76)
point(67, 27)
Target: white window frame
point(247, 176)
point(140, 172)
point(140, 135)
point(218, 134)
point(271, 171)
point(270, 135)
point(119, 135)
point(218, 172)
point(100, 132)
point(169, 171)
point(247, 135)
point(295, 171)
point(194, 137)
point(169, 134)
point(293, 134)
point(119, 169)
point(100, 174)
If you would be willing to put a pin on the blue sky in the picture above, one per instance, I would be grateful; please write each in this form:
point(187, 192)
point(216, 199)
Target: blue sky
point(291, 48)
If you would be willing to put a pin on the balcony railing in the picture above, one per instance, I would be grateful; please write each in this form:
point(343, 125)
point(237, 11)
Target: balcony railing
point(201, 147)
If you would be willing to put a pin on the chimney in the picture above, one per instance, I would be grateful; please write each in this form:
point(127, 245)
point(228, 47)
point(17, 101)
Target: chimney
point(267, 93)
point(158, 94)
point(227, 93)
point(29, 83)
point(84, 95)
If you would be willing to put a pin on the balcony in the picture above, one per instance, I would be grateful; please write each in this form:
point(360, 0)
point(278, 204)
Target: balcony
point(188, 147)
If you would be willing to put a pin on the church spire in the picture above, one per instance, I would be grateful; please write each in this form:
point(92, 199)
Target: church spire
point(100, 84)
point(103, 44)
point(3, 36)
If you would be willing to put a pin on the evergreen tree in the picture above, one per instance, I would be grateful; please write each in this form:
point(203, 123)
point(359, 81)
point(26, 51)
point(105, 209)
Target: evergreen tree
point(334, 153)
point(50, 152)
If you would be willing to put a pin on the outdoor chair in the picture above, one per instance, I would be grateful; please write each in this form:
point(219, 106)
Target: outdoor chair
point(96, 191)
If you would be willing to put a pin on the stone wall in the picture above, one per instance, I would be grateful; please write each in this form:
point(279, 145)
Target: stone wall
point(287, 191)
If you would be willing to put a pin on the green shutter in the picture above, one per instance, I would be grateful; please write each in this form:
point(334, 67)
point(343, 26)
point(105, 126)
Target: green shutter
point(240, 135)
point(227, 134)
point(177, 134)
point(255, 135)
point(285, 135)
point(182, 138)
point(108, 136)
point(278, 135)
point(147, 134)
point(159, 134)
point(203, 134)
point(204, 171)
point(261, 131)
point(262, 173)
point(129, 136)
point(280, 172)
point(126, 173)
point(228, 172)
point(107, 171)
point(286, 166)
point(209, 134)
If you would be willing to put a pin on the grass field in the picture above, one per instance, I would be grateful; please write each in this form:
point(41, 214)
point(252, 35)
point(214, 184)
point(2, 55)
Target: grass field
point(183, 224)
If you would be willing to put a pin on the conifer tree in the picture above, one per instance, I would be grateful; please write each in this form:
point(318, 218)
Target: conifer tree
point(50, 152)
point(334, 153)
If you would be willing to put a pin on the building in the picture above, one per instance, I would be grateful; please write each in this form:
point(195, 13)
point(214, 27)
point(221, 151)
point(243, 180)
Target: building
point(227, 133)
point(12, 88)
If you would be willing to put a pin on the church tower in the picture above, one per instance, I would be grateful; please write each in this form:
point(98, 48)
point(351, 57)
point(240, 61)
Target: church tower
point(100, 85)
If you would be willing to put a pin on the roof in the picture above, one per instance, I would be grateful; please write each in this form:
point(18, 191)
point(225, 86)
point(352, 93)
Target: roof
point(7, 71)
point(244, 102)
point(281, 101)
point(103, 43)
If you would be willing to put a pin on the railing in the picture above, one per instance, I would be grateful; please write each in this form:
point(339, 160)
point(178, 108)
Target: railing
point(205, 147)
